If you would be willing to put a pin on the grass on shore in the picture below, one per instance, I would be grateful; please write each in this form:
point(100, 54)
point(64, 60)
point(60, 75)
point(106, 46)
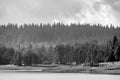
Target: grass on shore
point(107, 68)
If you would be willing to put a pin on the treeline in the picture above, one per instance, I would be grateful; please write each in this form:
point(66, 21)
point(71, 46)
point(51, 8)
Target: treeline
point(90, 52)
point(56, 33)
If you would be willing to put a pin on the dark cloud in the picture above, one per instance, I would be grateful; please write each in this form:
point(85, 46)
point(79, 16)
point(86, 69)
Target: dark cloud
point(115, 5)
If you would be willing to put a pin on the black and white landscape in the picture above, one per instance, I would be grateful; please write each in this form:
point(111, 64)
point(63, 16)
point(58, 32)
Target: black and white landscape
point(81, 37)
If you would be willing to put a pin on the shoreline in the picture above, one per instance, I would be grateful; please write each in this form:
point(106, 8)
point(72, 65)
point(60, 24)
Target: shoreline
point(33, 71)
point(62, 69)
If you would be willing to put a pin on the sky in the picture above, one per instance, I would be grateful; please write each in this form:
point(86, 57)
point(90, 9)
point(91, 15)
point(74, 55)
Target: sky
point(65, 11)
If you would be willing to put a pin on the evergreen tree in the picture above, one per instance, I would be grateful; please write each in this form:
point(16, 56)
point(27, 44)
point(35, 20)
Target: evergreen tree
point(17, 58)
point(114, 46)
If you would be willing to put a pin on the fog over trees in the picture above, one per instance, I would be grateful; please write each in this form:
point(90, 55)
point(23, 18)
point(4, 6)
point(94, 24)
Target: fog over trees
point(55, 33)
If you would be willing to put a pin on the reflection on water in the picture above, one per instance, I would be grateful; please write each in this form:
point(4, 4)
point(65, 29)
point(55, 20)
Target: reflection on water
point(55, 76)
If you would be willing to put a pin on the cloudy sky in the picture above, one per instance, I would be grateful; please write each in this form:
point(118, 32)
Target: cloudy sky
point(66, 11)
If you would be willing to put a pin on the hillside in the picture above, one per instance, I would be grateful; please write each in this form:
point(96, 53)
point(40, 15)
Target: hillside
point(11, 34)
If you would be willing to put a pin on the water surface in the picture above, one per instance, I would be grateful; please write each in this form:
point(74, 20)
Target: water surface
point(55, 76)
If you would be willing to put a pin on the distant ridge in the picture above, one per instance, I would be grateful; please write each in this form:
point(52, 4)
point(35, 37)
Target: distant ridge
point(58, 32)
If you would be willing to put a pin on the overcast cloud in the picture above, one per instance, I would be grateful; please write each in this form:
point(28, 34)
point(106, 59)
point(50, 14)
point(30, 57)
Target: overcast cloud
point(66, 11)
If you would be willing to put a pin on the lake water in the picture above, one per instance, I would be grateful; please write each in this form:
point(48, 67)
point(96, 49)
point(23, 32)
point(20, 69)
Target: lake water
point(55, 76)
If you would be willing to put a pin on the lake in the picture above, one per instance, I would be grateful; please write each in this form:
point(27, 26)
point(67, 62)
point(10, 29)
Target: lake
point(8, 75)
